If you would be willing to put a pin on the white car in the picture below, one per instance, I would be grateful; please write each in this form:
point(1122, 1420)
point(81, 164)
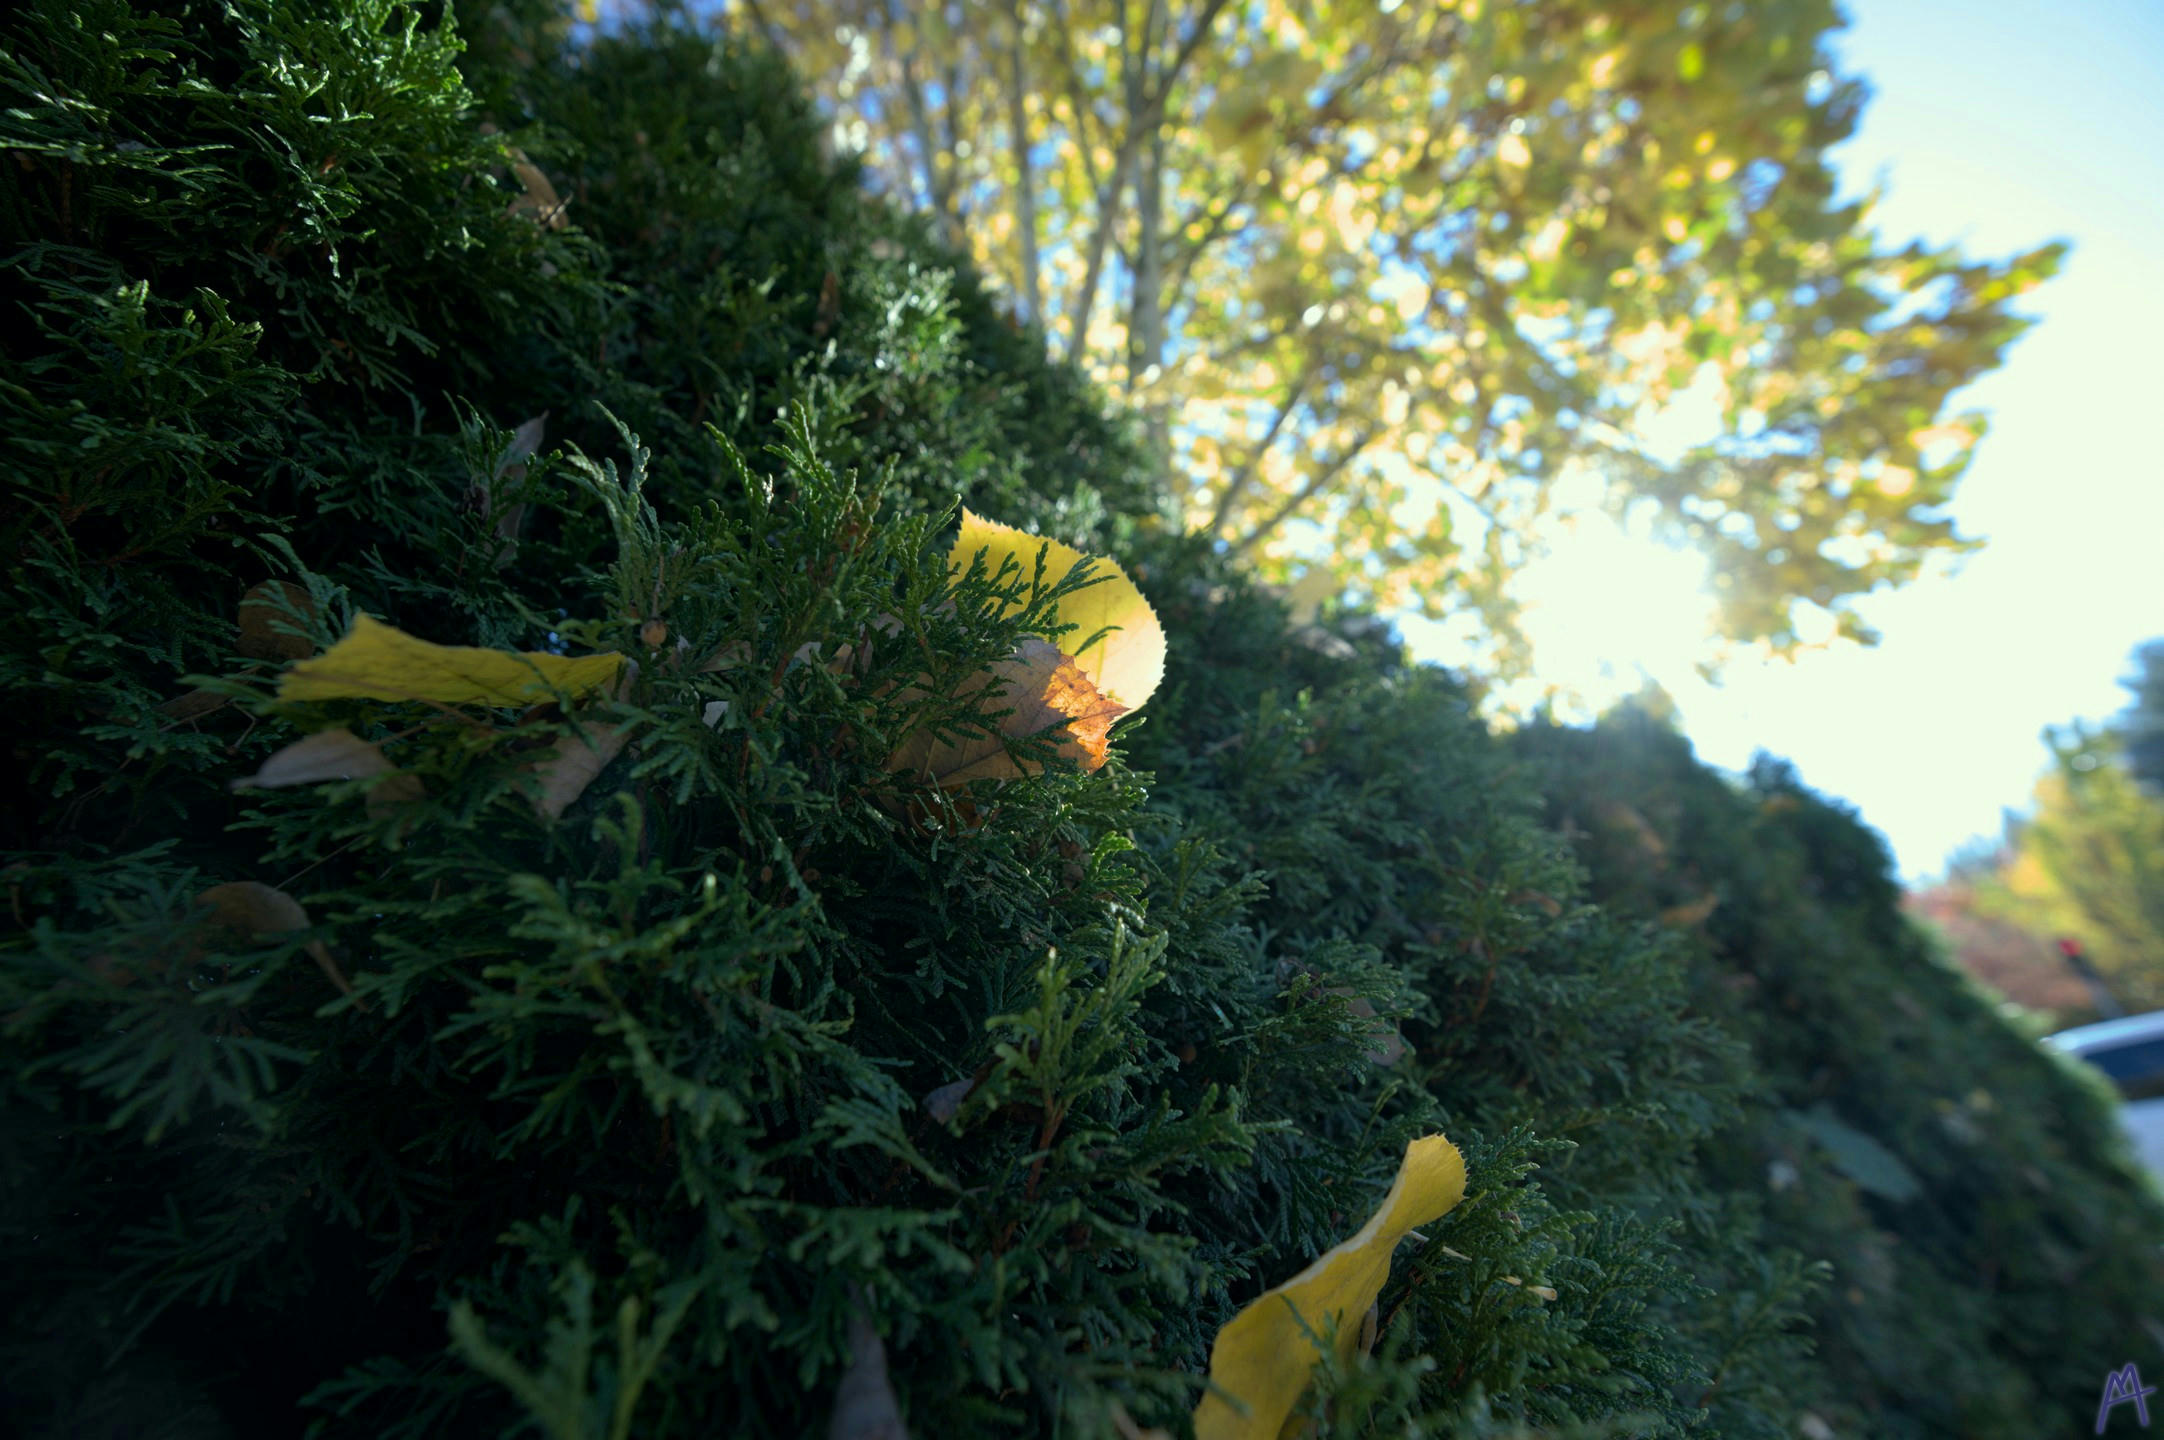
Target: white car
point(2131, 1052)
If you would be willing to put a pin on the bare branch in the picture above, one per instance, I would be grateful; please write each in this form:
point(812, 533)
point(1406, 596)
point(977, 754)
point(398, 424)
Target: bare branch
point(935, 186)
point(1307, 492)
point(1030, 286)
point(766, 26)
point(1183, 263)
point(1142, 123)
point(1245, 475)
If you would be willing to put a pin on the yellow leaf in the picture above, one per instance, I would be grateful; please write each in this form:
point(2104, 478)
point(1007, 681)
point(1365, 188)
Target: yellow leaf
point(1262, 1358)
point(378, 662)
point(1129, 660)
point(1046, 689)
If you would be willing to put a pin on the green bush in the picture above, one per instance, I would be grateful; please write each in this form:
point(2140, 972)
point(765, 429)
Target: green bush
point(632, 1110)
point(1994, 1242)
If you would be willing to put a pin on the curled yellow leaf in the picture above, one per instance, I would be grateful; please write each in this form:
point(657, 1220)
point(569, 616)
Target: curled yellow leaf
point(1263, 1358)
point(1128, 660)
point(379, 662)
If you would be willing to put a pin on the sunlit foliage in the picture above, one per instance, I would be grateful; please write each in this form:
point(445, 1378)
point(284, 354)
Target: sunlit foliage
point(1394, 279)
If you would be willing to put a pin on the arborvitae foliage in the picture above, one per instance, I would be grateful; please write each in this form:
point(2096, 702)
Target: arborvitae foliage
point(633, 1110)
point(1994, 1246)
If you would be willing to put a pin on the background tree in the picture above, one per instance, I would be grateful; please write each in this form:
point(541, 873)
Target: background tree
point(1394, 281)
point(2141, 725)
point(2089, 864)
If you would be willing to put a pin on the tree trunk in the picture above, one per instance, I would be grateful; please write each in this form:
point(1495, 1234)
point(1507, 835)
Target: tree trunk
point(1149, 316)
point(1028, 286)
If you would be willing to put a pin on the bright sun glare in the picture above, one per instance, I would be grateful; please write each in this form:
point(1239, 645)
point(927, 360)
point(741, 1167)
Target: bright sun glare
point(1608, 608)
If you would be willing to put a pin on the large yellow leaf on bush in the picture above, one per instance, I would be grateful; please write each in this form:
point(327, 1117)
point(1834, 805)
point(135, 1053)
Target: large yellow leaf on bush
point(1129, 660)
point(1264, 1359)
point(379, 662)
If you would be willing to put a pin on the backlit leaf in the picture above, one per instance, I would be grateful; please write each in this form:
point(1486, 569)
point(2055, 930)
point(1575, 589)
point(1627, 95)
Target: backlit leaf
point(1263, 1358)
point(379, 662)
point(1129, 660)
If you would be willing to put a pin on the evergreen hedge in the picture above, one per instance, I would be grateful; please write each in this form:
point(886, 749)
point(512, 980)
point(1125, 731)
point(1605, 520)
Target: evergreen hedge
point(631, 1112)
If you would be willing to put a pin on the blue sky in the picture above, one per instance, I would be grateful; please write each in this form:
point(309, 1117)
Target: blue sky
point(1999, 126)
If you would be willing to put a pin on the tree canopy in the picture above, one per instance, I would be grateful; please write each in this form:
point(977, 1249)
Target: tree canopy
point(1394, 281)
point(2088, 865)
point(2141, 725)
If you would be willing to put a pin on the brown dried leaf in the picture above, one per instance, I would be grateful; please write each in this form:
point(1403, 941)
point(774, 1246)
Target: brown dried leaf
point(864, 1403)
point(336, 754)
point(538, 197)
point(1389, 1046)
point(945, 1103)
point(263, 911)
point(1693, 912)
point(192, 706)
point(572, 765)
point(1545, 903)
point(1131, 1429)
point(1046, 689)
point(266, 626)
point(576, 759)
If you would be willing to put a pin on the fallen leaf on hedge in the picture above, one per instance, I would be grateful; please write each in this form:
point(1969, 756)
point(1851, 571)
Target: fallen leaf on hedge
point(1540, 900)
point(1691, 912)
point(511, 465)
point(576, 759)
point(1046, 689)
point(326, 755)
point(266, 623)
point(1128, 660)
point(336, 754)
point(1262, 1359)
point(192, 706)
point(1389, 1046)
point(379, 662)
point(864, 1403)
point(261, 910)
point(945, 1103)
point(726, 658)
point(1131, 1430)
point(537, 196)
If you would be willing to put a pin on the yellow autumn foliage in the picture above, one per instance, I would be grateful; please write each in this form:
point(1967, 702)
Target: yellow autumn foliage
point(1263, 1358)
